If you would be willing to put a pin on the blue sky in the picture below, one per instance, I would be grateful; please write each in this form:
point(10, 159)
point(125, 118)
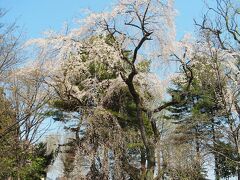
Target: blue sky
point(36, 16)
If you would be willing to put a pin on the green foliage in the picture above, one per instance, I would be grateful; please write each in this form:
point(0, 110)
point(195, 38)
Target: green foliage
point(62, 105)
point(25, 164)
point(148, 125)
point(135, 145)
point(144, 66)
point(228, 159)
point(16, 160)
point(36, 163)
point(101, 72)
point(194, 116)
point(126, 115)
point(8, 140)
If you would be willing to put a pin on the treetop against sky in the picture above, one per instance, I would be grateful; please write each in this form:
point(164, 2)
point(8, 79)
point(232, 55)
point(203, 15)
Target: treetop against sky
point(39, 16)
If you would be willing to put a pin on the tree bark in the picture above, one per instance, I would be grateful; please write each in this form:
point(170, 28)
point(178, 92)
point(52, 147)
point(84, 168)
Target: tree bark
point(217, 173)
point(149, 146)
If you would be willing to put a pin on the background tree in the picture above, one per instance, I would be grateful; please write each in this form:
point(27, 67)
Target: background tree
point(223, 34)
point(20, 117)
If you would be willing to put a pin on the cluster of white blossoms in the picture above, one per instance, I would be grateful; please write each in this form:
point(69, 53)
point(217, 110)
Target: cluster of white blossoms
point(127, 18)
point(232, 74)
point(151, 89)
point(157, 15)
point(89, 71)
point(82, 57)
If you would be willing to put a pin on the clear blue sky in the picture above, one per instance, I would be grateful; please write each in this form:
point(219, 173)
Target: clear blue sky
point(36, 16)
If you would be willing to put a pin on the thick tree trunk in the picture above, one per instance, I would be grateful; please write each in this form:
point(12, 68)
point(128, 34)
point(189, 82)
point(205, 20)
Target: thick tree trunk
point(238, 173)
point(149, 146)
point(143, 161)
point(198, 153)
point(216, 169)
point(238, 166)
